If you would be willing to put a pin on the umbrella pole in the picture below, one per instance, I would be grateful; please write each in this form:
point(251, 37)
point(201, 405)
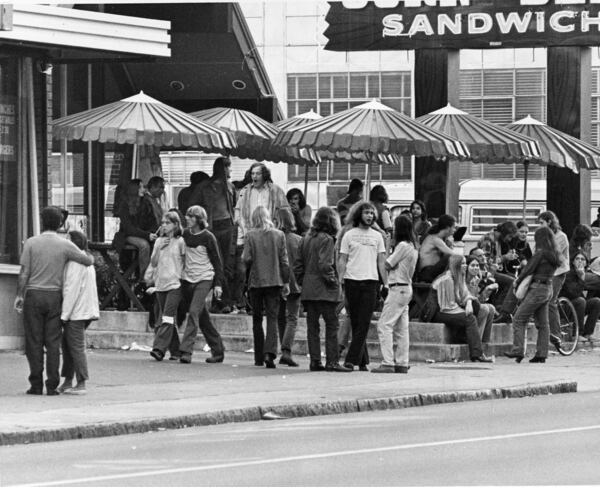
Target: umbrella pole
point(525, 191)
point(134, 167)
point(305, 180)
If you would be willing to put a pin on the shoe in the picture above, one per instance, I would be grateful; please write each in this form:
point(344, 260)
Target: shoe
point(78, 390)
point(52, 392)
point(226, 310)
point(557, 342)
point(64, 387)
point(383, 369)
point(316, 366)
point(215, 359)
point(349, 365)
point(157, 355)
point(186, 358)
point(401, 369)
point(537, 360)
point(33, 392)
point(363, 368)
point(336, 367)
point(174, 357)
point(286, 359)
point(482, 358)
point(516, 356)
point(269, 361)
point(503, 318)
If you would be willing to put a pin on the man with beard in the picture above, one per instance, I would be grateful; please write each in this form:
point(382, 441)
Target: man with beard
point(361, 263)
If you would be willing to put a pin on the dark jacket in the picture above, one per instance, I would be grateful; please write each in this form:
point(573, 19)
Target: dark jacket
point(541, 266)
point(573, 286)
point(315, 268)
point(207, 193)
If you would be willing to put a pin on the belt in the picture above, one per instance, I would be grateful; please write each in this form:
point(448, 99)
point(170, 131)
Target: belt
point(397, 284)
point(541, 281)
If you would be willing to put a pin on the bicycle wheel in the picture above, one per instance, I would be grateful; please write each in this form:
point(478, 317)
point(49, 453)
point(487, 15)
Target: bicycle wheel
point(569, 327)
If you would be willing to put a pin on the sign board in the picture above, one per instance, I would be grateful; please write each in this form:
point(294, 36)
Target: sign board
point(8, 128)
point(359, 25)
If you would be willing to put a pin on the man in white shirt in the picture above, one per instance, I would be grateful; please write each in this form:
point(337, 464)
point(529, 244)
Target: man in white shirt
point(361, 263)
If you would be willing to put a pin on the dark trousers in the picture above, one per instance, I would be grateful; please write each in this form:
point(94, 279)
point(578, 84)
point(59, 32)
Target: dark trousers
point(73, 350)
point(589, 307)
point(314, 310)
point(225, 232)
point(464, 328)
point(430, 272)
point(287, 320)
point(41, 313)
point(361, 297)
point(165, 334)
point(267, 299)
point(504, 300)
point(239, 281)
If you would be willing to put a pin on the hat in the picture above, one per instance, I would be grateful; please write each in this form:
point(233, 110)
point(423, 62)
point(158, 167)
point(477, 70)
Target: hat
point(355, 184)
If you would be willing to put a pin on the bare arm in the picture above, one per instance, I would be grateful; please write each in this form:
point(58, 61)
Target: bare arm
point(342, 261)
point(439, 244)
point(381, 267)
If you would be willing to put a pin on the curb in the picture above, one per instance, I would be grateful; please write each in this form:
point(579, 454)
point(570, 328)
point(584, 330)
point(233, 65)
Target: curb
point(287, 411)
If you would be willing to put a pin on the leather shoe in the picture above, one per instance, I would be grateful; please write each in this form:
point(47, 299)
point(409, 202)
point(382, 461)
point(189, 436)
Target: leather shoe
point(34, 392)
point(383, 369)
point(363, 368)
point(401, 369)
point(349, 365)
point(482, 358)
point(215, 359)
point(157, 355)
point(537, 360)
point(316, 366)
point(52, 392)
point(186, 358)
point(269, 362)
point(286, 359)
point(336, 367)
point(516, 356)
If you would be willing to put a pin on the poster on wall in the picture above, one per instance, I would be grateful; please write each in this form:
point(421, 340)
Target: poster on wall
point(360, 25)
point(8, 128)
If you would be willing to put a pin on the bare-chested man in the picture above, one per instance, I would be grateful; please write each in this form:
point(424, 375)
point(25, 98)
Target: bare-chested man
point(434, 251)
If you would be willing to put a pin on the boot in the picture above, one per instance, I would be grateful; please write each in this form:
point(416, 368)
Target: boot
point(286, 359)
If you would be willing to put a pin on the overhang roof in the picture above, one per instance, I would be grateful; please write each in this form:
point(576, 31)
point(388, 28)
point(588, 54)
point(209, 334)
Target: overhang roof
point(68, 33)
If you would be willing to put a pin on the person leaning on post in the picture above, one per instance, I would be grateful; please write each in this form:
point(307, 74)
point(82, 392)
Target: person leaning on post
point(39, 298)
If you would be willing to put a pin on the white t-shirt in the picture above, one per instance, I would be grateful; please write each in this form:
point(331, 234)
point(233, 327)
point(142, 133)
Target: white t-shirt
point(362, 246)
point(403, 262)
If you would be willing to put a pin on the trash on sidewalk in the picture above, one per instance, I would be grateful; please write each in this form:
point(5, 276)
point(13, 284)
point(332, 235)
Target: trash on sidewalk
point(250, 350)
point(206, 348)
point(270, 416)
point(135, 347)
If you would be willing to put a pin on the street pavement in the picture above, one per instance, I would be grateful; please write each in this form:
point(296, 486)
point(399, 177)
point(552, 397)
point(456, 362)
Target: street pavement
point(129, 392)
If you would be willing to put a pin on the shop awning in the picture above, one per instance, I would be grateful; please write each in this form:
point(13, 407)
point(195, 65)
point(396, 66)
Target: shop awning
point(84, 35)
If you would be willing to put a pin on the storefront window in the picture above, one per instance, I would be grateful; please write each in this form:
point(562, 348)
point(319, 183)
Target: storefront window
point(9, 250)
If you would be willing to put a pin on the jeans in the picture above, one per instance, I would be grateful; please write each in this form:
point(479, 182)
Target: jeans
point(430, 272)
point(485, 320)
point(266, 298)
point(535, 303)
point(589, 307)
point(392, 327)
point(288, 320)
point(557, 283)
point(464, 328)
point(41, 316)
point(166, 332)
point(225, 232)
point(361, 297)
point(314, 310)
point(73, 348)
point(144, 251)
point(198, 317)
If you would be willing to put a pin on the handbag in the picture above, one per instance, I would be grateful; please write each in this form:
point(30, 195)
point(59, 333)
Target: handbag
point(522, 289)
point(430, 307)
point(150, 275)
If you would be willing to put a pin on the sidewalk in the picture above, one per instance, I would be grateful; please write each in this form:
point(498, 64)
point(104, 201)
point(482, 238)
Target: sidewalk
point(129, 392)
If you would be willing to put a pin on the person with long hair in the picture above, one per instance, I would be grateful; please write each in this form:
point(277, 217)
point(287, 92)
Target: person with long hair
point(541, 267)
point(481, 290)
point(392, 326)
point(315, 270)
point(457, 307)
point(434, 251)
point(79, 308)
point(168, 259)
point(361, 263)
point(521, 247)
point(550, 220)
point(421, 225)
point(301, 210)
point(379, 197)
point(202, 272)
point(265, 255)
point(573, 289)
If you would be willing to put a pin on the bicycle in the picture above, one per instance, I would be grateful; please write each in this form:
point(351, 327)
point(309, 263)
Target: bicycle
point(569, 327)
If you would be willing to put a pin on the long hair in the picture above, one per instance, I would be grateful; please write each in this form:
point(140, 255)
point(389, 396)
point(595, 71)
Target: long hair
point(219, 168)
point(403, 230)
point(577, 254)
point(458, 276)
point(546, 243)
point(79, 239)
point(551, 219)
point(132, 196)
point(173, 217)
point(378, 194)
point(266, 173)
point(261, 219)
point(326, 220)
point(301, 200)
point(582, 234)
point(471, 258)
point(507, 228)
point(199, 215)
point(357, 217)
point(286, 220)
point(423, 208)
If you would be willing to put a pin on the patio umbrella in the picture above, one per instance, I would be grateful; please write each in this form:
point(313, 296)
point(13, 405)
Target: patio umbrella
point(252, 134)
point(142, 120)
point(556, 148)
point(371, 132)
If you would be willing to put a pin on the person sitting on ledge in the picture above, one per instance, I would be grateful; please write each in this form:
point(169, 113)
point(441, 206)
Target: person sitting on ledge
point(434, 251)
